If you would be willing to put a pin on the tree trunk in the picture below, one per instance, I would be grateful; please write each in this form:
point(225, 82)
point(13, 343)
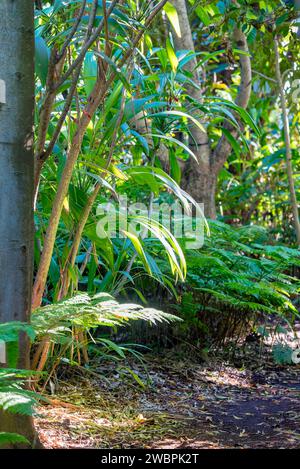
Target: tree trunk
point(199, 177)
point(200, 181)
point(16, 180)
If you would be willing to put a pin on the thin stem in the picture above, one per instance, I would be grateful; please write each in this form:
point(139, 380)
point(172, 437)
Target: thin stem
point(287, 139)
point(86, 46)
point(73, 31)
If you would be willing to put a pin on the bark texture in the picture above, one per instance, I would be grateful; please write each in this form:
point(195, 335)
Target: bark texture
point(200, 175)
point(16, 179)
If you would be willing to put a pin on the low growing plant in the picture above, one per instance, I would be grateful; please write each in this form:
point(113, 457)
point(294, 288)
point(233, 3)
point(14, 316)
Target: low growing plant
point(236, 278)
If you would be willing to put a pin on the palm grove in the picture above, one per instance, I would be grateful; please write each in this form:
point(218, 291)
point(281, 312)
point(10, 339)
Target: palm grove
point(159, 101)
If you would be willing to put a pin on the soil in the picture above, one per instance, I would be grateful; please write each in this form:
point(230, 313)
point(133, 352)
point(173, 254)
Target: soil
point(183, 403)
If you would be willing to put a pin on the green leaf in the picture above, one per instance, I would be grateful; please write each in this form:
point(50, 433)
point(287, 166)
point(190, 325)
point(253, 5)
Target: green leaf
point(89, 72)
point(135, 377)
point(139, 249)
point(11, 438)
point(174, 166)
point(176, 142)
point(171, 55)
point(113, 347)
point(142, 140)
point(247, 118)
point(12, 354)
point(221, 7)
point(163, 57)
point(17, 401)
point(42, 54)
point(9, 331)
point(282, 354)
point(204, 17)
point(232, 141)
point(210, 56)
point(179, 114)
point(172, 15)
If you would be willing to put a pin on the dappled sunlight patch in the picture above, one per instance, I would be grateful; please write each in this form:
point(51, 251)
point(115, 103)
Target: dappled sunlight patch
point(226, 376)
point(100, 423)
point(184, 405)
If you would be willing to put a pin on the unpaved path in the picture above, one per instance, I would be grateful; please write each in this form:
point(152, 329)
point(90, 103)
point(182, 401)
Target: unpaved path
point(187, 405)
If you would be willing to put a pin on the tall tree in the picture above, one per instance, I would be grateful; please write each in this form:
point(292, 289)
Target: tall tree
point(16, 179)
point(200, 176)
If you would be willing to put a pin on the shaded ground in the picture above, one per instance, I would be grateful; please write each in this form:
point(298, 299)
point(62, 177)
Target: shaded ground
point(186, 405)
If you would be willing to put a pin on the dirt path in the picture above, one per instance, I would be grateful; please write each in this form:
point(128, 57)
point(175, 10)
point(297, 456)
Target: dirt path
point(231, 411)
point(187, 405)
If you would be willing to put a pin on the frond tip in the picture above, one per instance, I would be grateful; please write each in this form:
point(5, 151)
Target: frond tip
point(91, 312)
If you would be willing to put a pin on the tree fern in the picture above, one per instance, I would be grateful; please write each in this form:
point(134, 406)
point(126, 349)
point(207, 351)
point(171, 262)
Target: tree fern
point(84, 313)
point(236, 272)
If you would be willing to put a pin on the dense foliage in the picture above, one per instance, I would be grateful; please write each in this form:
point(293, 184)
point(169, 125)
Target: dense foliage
point(126, 107)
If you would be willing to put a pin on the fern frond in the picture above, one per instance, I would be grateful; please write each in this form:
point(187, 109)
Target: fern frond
point(12, 438)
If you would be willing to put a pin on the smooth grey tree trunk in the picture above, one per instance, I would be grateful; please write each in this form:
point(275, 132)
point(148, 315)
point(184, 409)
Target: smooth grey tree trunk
point(16, 178)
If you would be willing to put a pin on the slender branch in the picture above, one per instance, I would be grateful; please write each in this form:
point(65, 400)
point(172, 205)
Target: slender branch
point(41, 155)
point(95, 99)
point(105, 21)
point(45, 111)
point(86, 46)
point(246, 70)
point(63, 115)
point(41, 276)
point(264, 76)
point(54, 71)
point(287, 139)
point(70, 262)
point(73, 31)
point(92, 19)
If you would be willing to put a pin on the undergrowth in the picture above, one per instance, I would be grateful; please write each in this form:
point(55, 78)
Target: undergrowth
point(236, 280)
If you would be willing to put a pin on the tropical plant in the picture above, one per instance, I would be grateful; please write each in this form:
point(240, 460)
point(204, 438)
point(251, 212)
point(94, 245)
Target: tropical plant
point(65, 329)
point(237, 280)
point(15, 397)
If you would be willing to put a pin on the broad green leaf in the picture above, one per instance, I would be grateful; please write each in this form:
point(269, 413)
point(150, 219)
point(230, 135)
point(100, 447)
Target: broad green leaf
point(204, 17)
point(11, 438)
point(174, 166)
point(179, 114)
point(139, 249)
point(176, 142)
point(42, 54)
point(172, 56)
point(136, 377)
point(172, 15)
point(232, 141)
point(111, 345)
point(89, 72)
point(210, 56)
